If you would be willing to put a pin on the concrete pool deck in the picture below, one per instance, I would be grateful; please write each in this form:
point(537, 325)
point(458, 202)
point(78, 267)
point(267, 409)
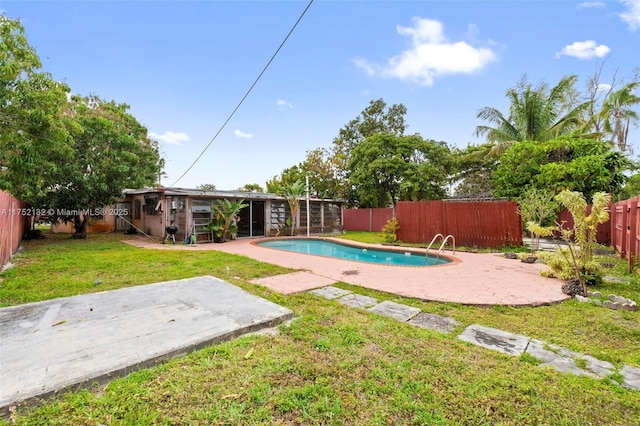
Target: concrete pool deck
point(474, 279)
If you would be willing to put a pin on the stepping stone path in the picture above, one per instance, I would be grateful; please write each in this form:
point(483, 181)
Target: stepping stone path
point(498, 340)
point(549, 355)
point(434, 322)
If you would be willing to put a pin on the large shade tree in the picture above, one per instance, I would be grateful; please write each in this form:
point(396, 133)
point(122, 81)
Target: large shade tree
point(385, 168)
point(328, 168)
point(67, 154)
point(34, 142)
point(111, 152)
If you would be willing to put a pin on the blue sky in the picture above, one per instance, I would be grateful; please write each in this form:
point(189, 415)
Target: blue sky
point(183, 66)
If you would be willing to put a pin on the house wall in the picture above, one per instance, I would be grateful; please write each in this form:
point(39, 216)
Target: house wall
point(104, 223)
point(193, 211)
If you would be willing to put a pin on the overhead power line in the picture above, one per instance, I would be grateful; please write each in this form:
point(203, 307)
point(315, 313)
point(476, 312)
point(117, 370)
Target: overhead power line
point(245, 95)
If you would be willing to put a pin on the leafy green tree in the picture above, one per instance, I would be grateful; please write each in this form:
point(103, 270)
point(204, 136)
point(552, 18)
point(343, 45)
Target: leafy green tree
point(206, 187)
point(472, 177)
point(327, 169)
point(288, 177)
point(385, 168)
point(375, 118)
point(568, 163)
point(631, 188)
point(537, 113)
point(111, 152)
point(34, 142)
point(251, 187)
point(320, 168)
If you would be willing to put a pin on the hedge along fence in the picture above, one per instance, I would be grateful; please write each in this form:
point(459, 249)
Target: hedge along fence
point(13, 224)
point(370, 220)
point(485, 224)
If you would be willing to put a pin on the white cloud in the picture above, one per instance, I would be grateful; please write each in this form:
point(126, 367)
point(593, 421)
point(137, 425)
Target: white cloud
point(603, 87)
point(173, 138)
point(587, 49)
point(590, 4)
point(283, 103)
point(240, 134)
point(431, 55)
point(632, 13)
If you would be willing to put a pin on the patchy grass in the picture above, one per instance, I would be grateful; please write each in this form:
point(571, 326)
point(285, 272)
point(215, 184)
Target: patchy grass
point(334, 364)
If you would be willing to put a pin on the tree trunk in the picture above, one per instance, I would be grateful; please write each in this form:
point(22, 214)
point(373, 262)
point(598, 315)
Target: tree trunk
point(80, 226)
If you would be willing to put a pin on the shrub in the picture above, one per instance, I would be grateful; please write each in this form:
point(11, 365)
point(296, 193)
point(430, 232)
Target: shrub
point(390, 230)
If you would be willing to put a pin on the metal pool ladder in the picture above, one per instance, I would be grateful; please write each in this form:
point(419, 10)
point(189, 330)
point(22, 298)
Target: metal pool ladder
point(444, 241)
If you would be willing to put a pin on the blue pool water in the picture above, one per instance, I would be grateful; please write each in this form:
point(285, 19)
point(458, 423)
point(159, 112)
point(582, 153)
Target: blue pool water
point(341, 251)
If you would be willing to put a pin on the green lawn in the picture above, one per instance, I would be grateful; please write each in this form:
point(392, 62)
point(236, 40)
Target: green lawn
point(334, 364)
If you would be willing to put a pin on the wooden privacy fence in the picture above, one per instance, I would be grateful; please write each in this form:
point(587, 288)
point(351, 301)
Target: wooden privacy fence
point(13, 223)
point(485, 224)
point(625, 229)
point(370, 220)
point(603, 231)
point(482, 224)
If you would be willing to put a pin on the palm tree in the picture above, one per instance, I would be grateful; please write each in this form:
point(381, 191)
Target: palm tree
point(618, 115)
point(536, 114)
point(293, 192)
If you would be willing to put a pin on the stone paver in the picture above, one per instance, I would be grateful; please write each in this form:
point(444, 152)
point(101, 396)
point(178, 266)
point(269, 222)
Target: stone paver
point(492, 338)
point(631, 376)
point(598, 367)
point(357, 301)
point(557, 358)
point(330, 292)
point(551, 356)
point(395, 310)
point(434, 322)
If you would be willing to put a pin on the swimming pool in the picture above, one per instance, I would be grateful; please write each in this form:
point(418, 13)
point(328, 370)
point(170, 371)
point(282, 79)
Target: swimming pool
point(342, 251)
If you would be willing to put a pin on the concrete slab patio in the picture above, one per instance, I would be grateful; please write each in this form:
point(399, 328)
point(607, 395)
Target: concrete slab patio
point(475, 279)
point(48, 346)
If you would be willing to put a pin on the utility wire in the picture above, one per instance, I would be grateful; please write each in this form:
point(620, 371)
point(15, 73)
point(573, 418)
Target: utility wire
point(245, 95)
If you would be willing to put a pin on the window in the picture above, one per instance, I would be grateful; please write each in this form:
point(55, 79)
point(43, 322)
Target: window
point(152, 206)
point(331, 214)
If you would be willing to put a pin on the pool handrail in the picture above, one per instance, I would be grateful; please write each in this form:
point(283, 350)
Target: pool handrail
point(444, 241)
point(433, 241)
